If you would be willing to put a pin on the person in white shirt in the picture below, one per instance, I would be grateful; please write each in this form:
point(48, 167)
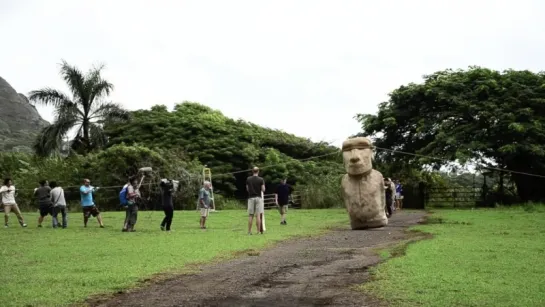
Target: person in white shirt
point(8, 199)
point(59, 204)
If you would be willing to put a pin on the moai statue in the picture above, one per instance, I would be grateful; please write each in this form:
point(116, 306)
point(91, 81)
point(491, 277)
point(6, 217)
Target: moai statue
point(363, 187)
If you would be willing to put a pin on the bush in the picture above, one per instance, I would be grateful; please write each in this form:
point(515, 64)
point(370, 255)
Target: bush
point(108, 169)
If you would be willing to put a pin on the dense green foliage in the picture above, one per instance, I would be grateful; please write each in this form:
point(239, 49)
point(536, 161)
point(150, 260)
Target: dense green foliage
point(494, 118)
point(86, 111)
point(229, 147)
point(109, 169)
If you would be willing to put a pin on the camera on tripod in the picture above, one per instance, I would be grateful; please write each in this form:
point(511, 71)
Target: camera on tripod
point(170, 184)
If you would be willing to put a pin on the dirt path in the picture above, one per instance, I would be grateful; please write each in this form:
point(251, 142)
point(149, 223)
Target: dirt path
point(301, 272)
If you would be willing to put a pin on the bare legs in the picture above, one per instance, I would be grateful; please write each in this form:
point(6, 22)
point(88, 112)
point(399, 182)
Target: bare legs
point(257, 222)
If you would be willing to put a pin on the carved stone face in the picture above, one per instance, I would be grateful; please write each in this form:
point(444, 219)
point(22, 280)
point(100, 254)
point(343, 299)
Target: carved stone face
point(357, 156)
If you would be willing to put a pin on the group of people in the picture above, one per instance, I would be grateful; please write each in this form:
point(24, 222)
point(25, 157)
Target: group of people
point(394, 195)
point(51, 201)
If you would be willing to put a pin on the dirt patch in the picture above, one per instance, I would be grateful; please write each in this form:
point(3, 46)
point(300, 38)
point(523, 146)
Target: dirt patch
point(320, 271)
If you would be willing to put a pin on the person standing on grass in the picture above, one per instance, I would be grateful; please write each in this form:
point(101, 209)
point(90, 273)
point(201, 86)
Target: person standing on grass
point(133, 196)
point(255, 186)
point(43, 195)
point(281, 197)
point(8, 200)
point(168, 206)
point(87, 203)
point(204, 202)
point(59, 204)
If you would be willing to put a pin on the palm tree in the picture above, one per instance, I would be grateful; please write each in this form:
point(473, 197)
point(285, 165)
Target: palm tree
point(87, 111)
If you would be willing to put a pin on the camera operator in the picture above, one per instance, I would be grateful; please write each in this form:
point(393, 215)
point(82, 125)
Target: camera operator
point(168, 187)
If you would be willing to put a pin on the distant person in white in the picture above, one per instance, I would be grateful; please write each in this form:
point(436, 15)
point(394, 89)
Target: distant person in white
point(59, 204)
point(8, 200)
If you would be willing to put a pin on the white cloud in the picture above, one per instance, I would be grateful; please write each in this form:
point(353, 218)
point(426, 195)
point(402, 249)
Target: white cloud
point(306, 67)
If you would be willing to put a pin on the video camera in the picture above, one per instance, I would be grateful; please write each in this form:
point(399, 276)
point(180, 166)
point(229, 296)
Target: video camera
point(170, 184)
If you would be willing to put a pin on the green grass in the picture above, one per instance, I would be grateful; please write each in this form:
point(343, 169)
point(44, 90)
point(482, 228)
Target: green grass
point(489, 257)
point(53, 267)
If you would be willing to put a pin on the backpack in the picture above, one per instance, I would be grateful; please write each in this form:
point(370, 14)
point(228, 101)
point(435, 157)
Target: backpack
point(123, 200)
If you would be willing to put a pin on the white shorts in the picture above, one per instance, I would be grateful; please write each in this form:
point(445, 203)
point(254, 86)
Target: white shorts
point(255, 205)
point(204, 212)
point(399, 196)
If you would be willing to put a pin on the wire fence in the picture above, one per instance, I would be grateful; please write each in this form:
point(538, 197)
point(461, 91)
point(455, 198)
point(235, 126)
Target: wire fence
point(416, 198)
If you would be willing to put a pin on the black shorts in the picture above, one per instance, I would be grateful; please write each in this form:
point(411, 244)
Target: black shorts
point(45, 210)
point(90, 210)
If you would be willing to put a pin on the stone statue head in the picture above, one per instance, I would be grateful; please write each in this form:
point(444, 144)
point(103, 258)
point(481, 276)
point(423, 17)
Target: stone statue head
point(357, 155)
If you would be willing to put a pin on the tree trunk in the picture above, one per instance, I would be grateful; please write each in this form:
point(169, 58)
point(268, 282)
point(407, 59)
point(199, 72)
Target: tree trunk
point(501, 191)
point(85, 140)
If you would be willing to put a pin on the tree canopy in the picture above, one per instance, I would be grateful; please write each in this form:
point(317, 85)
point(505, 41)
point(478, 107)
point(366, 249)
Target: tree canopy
point(224, 144)
point(86, 111)
point(494, 118)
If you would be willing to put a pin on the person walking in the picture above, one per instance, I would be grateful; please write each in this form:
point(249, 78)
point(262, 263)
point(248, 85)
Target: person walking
point(133, 196)
point(43, 196)
point(167, 189)
point(205, 202)
point(8, 200)
point(87, 203)
point(255, 186)
point(281, 197)
point(59, 204)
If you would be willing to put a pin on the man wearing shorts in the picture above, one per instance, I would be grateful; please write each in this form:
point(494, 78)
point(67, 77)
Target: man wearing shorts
point(204, 202)
point(43, 195)
point(8, 199)
point(89, 207)
point(255, 185)
point(281, 197)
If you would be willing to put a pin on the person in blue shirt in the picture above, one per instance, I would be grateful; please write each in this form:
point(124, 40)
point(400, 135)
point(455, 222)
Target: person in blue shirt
point(89, 207)
point(399, 195)
point(205, 202)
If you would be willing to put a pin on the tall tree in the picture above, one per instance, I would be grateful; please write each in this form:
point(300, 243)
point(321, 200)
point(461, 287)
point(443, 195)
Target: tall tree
point(87, 111)
point(494, 118)
point(226, 145)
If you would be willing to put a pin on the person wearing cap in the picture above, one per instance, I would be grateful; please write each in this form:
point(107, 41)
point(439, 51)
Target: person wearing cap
point(255, 185)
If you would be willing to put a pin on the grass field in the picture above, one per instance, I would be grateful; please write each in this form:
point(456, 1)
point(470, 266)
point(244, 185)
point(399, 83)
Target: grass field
point(490, 257)
point(54, 267)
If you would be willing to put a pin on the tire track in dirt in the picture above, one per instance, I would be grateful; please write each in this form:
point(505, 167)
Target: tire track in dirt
point(301, 272)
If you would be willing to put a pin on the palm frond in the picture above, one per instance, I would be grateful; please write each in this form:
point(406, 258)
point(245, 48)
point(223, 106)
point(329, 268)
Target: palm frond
point(109, 112)
point(68, 111)
point(96, 85)
point(75, 80)
point(50, 138)
point(49, 96)
point(101, 89)
point(97, 136)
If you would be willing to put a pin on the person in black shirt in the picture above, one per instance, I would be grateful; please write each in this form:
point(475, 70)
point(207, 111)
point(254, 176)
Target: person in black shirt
point(167, 188)
point(389, 190)
point(43, 195)
point(255, 185)
point(281, 197)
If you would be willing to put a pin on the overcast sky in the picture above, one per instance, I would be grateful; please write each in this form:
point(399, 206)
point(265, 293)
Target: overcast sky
point(305, 67)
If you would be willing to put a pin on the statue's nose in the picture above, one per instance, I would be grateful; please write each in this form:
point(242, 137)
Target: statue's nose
point(354, 159)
